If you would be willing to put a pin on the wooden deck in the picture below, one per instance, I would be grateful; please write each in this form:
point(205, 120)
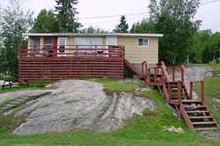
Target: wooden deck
point(74, 62)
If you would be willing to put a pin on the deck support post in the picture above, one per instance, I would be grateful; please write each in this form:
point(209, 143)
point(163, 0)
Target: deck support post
point(203, 92)
point(155, 75)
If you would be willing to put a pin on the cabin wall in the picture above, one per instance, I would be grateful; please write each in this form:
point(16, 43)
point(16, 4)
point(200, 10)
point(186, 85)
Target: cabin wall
point(136, 54)
point(133, 53)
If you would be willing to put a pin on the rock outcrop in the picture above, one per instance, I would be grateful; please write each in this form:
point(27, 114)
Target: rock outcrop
point(77, 104)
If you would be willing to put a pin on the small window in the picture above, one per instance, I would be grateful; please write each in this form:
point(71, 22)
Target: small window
point(143, 42)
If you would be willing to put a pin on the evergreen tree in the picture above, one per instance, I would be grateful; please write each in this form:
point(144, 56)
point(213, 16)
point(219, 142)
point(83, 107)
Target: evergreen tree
point(123, 26)
point(91, 29)
point(66, 15)
point(145, 26)
point(45, 22)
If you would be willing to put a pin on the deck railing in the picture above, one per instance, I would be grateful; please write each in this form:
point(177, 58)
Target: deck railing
point(73, 51)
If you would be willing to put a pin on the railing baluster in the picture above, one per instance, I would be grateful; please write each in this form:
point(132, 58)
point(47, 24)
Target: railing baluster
point(75, 50)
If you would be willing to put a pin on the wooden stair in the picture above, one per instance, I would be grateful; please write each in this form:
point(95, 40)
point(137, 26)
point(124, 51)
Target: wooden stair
point(197, 116)
point(179, 94)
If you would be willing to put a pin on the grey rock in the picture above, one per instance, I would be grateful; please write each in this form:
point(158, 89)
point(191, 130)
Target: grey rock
point(77, 104)
point(21, 94)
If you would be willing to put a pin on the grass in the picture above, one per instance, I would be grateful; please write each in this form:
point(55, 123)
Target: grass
point(2, 104)
point(140, 130)
point(211, 65)
point(33, 86)
point(112, 85)
point(17, 88)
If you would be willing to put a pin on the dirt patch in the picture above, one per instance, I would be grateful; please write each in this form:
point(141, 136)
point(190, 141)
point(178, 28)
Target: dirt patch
point(210, 135)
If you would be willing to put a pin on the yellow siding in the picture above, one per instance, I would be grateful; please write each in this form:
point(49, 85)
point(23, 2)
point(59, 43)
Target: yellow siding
point(29, 42)
point(41, 42)
point(70, 43)
point(133, 52)
point(137, 54)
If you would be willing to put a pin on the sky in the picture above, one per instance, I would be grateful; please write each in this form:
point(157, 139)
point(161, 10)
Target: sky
point(91, 11)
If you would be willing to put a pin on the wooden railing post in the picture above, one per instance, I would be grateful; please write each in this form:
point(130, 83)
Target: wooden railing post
point(173, 74)
point(179, 92)
point(191, 90)
point(54, 51)
point(149, 75)
point(155, 75)
point(143, 68)
point(203, 92)
point(182, 73)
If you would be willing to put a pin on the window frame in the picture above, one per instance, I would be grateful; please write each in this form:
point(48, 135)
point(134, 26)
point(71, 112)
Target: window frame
point(47, 45)
point(143, 45)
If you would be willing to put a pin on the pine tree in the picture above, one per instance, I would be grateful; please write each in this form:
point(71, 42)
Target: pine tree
point(123, 26)
point(45, 22)
point(66, 15)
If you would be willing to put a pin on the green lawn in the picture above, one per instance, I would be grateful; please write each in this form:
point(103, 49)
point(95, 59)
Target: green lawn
point(111, 85)
point(140, 130)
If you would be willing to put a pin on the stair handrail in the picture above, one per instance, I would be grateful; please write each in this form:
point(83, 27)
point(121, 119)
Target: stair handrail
point(164, 74)
point(137, 72)
point(164, 71)
point(185, 117)
point(144, 68)
point(186, 81)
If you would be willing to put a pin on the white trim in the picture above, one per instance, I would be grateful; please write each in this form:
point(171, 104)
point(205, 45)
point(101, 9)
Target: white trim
point(95, 34)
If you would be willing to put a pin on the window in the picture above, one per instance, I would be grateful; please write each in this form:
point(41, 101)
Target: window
point(62, 44)
point(35, 43)
point(143, 42)
point(48, 43)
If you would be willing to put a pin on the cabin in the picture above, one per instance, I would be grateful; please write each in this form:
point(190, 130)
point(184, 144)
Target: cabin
point(59, 56)
point(55, 56)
